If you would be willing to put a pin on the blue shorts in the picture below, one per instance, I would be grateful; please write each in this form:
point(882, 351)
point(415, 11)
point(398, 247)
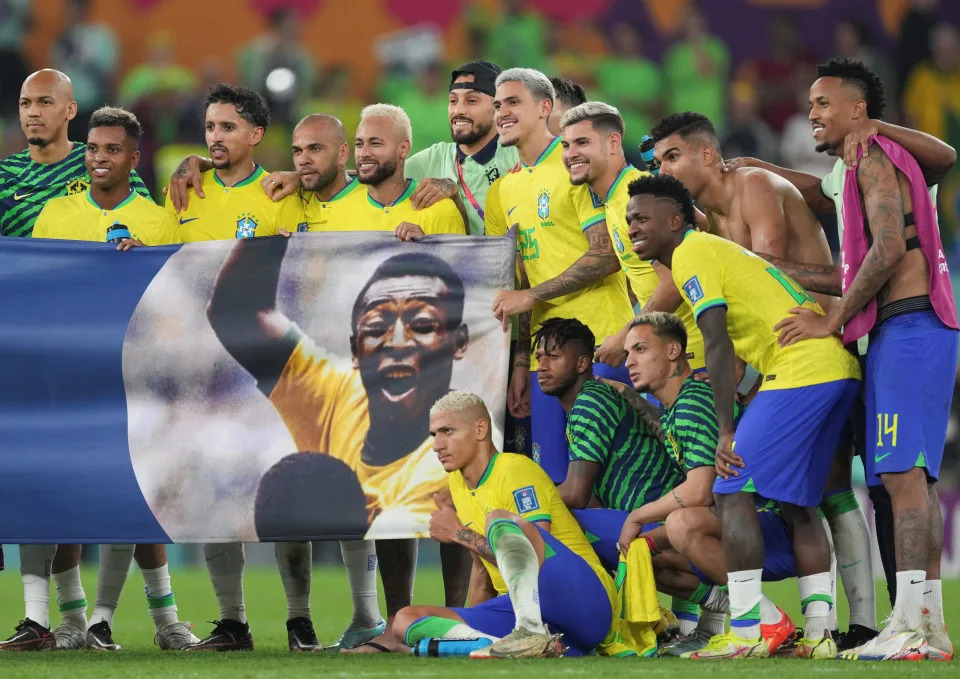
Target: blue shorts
point(549, 424)
point(787, 439)
point(573, 602)
point(911, 366)
point(602, 528)
point(778, 561)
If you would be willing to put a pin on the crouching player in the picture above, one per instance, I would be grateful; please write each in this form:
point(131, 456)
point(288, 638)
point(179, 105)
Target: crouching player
point(535, 578)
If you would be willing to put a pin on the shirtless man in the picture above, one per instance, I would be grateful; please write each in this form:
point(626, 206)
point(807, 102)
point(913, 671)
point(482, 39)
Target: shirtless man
point(896, 286)
point(766, 214)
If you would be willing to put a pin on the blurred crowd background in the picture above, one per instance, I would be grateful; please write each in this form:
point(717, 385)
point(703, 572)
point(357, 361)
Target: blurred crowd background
point(747, 64)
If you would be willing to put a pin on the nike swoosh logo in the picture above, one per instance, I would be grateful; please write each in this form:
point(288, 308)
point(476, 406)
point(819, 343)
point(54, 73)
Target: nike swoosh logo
point(467, 525)
point(511, 210)
point(877, 458)
point(21, 196)
point(848, 565)
point(915, 582)
point(191, 219)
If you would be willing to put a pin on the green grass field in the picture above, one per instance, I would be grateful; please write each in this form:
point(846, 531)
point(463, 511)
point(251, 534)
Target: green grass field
point(331, 611)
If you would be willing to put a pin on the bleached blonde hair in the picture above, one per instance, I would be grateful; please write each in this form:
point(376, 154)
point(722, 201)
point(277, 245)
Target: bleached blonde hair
point(460, 402)
point(537, 84)
point(393, 113)
point(604, 117)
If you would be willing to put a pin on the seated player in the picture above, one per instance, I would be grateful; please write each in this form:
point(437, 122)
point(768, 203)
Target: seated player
point(785, 440)
point(535, 578)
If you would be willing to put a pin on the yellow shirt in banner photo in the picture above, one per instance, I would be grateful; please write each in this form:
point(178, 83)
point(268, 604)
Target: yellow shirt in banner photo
point(79, 217)
point(640, 273)
point(552, 214)
point(239, 211)
point(517, 484)
point(322, 401)
point(442, 217)
point(711, 271)
point(320, 213)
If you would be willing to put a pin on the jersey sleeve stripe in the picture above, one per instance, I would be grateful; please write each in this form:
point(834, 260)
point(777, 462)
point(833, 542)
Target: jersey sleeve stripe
point(592, 221)
point(708, 304)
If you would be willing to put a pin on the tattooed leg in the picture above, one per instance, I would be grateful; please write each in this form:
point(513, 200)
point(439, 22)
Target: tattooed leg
point(935, 546)
point(911, 517)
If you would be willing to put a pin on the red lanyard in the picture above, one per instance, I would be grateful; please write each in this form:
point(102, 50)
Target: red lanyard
point(466, 190)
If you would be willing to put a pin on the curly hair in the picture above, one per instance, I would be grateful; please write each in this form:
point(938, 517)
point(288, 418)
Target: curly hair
point(853, 72)
point(111, 116)
point(685, 124)
point(249, 104)
point(558, 332)
point(665, 186)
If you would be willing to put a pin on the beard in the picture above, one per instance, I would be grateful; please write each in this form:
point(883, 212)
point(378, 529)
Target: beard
point(39, 142)
point(384, 171)
point(473, 135)
point(322, 179)
point(822, 148)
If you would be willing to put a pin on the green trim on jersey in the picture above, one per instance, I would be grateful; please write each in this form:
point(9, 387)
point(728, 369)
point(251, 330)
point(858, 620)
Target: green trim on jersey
point(616, 182)
point(488, 471)
point(546, 152)
point(26, 186)
point(125, 201)
point(407, 192)
point(249, 179)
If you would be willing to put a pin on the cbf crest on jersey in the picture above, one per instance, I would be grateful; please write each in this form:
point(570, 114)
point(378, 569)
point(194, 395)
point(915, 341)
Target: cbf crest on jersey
point(693, 290)
point(618, 242)
point(77, 186)
point(246, 226)
point(526, 499)
point(543, 204)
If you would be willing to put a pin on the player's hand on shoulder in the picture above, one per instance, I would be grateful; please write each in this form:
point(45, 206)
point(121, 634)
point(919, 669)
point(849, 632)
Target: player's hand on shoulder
point(408, 232)
point(186, 176)
point(129, 243)
point(616, 384)
point(732, 164)
point(610, 352)
point(859, 137)
point(516, 168)
point(431, 191)
point(279, 185)
point(727, 460)
point(444, 523)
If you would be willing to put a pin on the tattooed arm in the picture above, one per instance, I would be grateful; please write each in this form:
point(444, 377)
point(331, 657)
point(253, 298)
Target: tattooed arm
point(647, 411)
point(822, 278)
point(598, 262)
point(883, 208)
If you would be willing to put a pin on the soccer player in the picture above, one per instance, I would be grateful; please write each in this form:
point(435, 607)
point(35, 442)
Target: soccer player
point(373, 414)
point(236, 207)
point(564, 251)
point(111, 206)
point(382, 143)
point(475, 158)
point(786, 437)
point(568, 95)
point(825, 195)
point(593, 153)
point(50, 167)
point(532, 565)
point(766, 214)
point(896, 286)
point(655, 359)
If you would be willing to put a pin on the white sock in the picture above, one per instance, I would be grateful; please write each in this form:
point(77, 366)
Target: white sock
point(908, 608)
point(360, 561)
point(518, 563)
point(832, 621)
point(160, 601)
point(816, 603)
point(114, 565)
point(851, 539)
point(745, 589)
point(463, 631)
point(36, 562)
point(295, 560)
point(712, 621)
point(769, 613)
point(70, 598)
point(933, 605)
point(225, 565)
point(718, 601)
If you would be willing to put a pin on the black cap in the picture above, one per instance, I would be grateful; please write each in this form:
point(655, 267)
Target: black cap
point(484, 77)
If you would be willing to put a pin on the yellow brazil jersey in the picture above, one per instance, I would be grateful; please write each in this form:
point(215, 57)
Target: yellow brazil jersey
point(494, 219)
point(551, 214)
point(517, 484)
point(320, 398)
point(320, 214)
point(78, 217)
point(239, 211)
point(643, 279)
point(712, 271)
point(369, 215)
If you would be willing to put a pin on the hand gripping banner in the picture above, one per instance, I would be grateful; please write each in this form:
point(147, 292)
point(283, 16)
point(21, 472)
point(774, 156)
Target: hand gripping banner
point(258, 389)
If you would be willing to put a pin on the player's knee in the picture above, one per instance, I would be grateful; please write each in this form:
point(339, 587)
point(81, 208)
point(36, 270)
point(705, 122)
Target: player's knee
point(405, 618)
point(501, 514)
point(681, 526)
point(903, 484)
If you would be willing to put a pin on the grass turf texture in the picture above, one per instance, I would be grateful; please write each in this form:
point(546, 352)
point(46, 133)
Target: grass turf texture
point(133, 629)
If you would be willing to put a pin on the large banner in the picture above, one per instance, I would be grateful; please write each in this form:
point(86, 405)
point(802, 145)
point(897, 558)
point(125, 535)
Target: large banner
point(258, 389)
